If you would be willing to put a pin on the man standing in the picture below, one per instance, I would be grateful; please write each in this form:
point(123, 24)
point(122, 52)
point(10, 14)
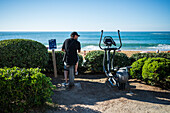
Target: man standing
point(70, 47)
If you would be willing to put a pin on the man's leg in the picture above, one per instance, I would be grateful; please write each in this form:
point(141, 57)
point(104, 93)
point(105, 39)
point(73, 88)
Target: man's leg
point(65, 73)
point(76, 66)
point(66, 76)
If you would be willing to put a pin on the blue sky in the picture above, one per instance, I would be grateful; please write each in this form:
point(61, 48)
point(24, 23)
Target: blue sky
point(84, 15)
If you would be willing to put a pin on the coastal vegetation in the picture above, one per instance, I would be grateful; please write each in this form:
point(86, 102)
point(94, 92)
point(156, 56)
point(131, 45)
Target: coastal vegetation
point(137, 56)
point(156, 71)
point(23, 53)
point(136, 71)
point(22, 89)
point(94, 61)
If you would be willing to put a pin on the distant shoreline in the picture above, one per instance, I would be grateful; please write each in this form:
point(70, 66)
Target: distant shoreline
point(129, 53)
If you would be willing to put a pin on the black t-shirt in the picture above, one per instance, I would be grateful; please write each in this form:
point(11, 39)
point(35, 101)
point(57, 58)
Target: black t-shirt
point(71, 46)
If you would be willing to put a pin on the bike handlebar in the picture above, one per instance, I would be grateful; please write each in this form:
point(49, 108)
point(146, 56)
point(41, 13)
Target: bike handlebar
point(110, 48)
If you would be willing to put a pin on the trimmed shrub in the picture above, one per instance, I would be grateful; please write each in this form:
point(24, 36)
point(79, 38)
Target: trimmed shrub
point(136, 70)
point(121, 60)
point(137, 56)
point(156, 71)
point(60, 64)
point(81, 67)
point(22, 89)
point(94, 60)
point(22, 53)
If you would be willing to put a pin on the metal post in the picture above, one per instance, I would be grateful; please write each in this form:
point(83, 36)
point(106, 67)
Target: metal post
point(54, 63)
point(71, 74)
point(108, 61)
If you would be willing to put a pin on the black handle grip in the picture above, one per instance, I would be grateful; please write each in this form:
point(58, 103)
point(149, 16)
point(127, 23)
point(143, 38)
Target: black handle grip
point(101, 39)
point(119, 40)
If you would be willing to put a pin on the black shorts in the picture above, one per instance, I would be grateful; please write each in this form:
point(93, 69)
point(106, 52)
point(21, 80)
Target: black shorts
point(66, 67)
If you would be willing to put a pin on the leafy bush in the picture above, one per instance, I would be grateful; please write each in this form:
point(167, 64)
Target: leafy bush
point(22, 53)
point(94, 60)
point(137, 56)
point(59, 62)
point(81, 67)
point(121, 60)
point(22, 89)
point(136, 70)
point(156, 71)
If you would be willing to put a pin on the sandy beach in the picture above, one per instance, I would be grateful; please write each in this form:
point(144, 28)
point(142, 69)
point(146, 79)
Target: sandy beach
point(128, 53)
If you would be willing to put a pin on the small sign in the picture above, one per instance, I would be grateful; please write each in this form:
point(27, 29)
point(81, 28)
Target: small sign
point(52, 44)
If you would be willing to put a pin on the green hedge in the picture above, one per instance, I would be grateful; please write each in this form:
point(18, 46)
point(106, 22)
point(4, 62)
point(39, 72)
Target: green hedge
point(156, 71)
point(22, 53)
point(59, 56)
point(22, 89)
point(137, 56)
point(121, 60)
point(94, 60)
point(59, 62)
point(136, 70)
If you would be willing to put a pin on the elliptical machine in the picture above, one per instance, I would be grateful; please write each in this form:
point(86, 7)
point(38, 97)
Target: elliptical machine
point(120, 77)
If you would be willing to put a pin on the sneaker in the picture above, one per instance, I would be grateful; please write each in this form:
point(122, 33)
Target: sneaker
point(65, 84)
point(76, 73)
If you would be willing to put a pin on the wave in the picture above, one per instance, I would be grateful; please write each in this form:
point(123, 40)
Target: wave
point(160, 33)
point(161, 46)
point(91, 47)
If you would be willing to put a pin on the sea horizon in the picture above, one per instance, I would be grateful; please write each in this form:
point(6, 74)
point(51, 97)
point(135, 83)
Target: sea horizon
point(83, 30)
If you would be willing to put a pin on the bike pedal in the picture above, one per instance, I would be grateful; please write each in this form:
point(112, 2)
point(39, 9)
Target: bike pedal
point(110, 75)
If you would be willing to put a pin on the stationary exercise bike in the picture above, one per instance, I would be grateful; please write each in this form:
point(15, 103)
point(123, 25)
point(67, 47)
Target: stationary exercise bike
point(120, 76)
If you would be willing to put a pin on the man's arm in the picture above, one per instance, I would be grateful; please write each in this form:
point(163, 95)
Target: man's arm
point(79, 48)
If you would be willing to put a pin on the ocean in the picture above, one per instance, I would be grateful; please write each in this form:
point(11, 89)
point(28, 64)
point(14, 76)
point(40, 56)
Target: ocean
point(135, 41)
